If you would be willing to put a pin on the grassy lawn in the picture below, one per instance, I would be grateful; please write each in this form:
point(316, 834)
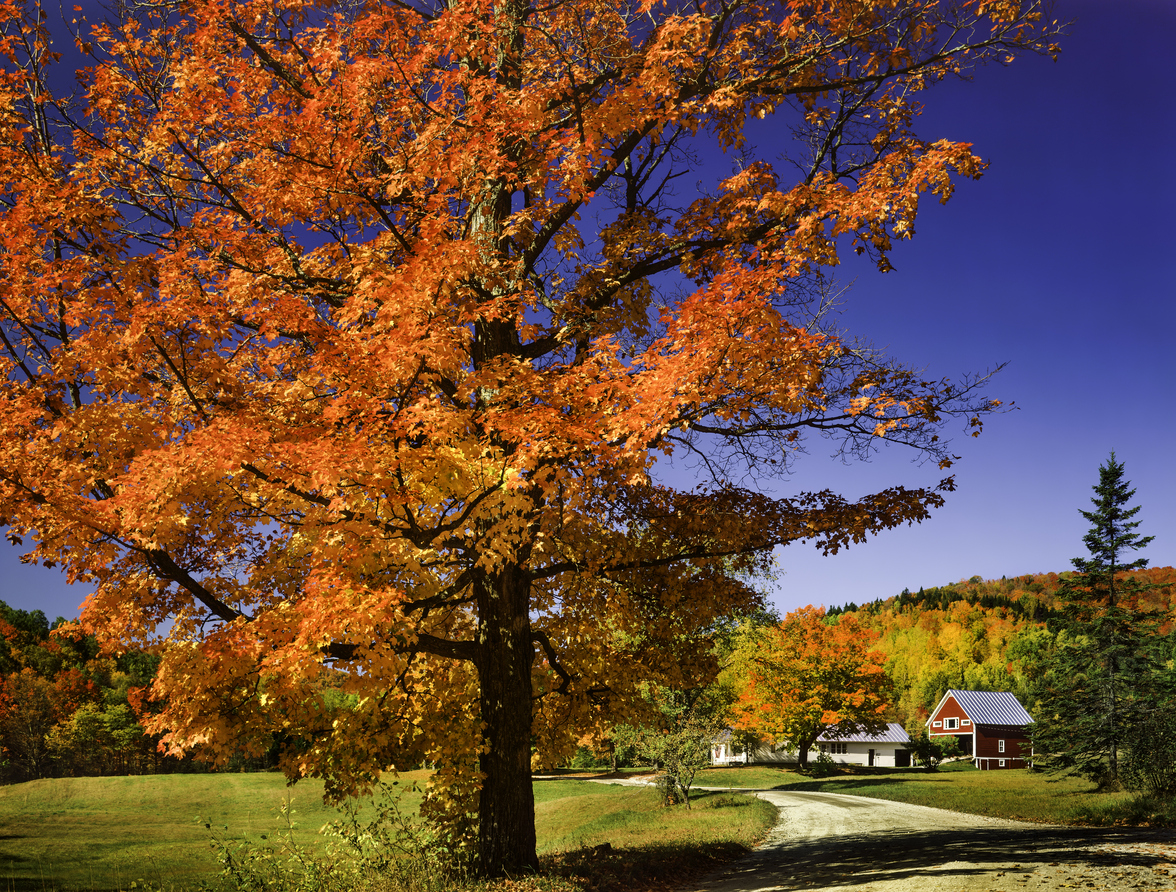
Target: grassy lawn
point(754, 777)
point(107, 833)
point(572, 815)
point(1018, 794)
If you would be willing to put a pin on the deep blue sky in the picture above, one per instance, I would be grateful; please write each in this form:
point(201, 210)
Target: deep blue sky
point(1060, 261)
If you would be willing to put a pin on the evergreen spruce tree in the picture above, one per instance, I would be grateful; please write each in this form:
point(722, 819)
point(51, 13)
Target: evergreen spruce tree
point(1101, 678)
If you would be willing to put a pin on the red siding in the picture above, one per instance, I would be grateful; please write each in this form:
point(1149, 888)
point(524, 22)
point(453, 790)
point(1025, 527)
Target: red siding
point(1018, 749)
point(949, 710)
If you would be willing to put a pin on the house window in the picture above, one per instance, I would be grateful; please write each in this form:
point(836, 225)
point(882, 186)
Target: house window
point(952, 724)
point(966, 722)
point(937, 724)
point(1000, 746)
point(839, 749)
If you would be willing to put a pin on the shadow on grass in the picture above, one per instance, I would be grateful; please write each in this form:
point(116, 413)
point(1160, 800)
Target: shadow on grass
point(590, 774)
point(648, 867)
point(935, 857)
point(863, 780)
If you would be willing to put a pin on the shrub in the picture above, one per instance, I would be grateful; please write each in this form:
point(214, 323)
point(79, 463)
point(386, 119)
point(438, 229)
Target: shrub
point(823, 766)
point(585, 758)
point(929, 752)
point(1150, 765)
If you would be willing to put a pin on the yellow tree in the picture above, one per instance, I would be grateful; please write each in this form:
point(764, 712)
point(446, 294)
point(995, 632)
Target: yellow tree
point(809, 676)
point(340, 339)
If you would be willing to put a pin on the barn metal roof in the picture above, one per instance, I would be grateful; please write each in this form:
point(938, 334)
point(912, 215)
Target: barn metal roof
point(894, 733)
point(989, 707)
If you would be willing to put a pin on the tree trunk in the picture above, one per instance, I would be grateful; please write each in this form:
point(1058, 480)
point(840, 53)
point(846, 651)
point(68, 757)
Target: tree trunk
point(506, 813)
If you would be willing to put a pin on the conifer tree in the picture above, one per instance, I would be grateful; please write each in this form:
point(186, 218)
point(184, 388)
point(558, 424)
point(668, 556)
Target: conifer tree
point(1101, 674)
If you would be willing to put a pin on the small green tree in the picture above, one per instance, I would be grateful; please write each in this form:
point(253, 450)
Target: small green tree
point(1102, 673)
point(680, 741)
point(929, 751)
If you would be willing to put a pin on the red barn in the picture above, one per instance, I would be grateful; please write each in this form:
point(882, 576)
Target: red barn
point(991, 726)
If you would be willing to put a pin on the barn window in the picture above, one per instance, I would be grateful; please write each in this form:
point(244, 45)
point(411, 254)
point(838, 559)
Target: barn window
point(952, 724)
point(1002, 763)
point(1000, 746)
point(966, 722)
point(937, 724)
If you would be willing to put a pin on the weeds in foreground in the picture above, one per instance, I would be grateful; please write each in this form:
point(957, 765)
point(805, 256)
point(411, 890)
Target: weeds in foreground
point(1137, 811)
point(389, 852)
point(386, 853)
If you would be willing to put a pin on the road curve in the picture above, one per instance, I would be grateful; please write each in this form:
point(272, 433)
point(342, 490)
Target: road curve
point(838, 843)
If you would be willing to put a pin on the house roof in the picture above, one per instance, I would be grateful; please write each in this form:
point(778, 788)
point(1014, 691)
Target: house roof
point(894, 733)
point(988, 707)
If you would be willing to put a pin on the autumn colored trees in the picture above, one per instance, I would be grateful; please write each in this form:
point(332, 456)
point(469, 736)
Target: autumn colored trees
point(65, 709)
point(807, 676)
point(338, 343)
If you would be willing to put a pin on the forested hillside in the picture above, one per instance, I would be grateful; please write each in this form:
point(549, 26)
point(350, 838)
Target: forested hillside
point(981, 634)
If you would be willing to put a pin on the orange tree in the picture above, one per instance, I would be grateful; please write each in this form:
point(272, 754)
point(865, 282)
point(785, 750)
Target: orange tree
point(808, 676)
point(340, 339)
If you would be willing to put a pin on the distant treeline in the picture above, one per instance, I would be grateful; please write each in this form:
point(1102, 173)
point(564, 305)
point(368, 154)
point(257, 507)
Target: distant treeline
point(67, 710)
point(1026, 597)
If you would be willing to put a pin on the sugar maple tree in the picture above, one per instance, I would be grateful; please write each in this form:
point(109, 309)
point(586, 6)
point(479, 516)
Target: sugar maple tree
point(339, 341)
point(809, 676)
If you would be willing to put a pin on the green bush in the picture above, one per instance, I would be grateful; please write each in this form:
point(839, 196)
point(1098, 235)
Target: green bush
point(823, 766)
point(585, 758)
point(1149, 767)
point(930, 751)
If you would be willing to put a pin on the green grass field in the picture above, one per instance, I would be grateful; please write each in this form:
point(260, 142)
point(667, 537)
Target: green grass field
point(110, 833)
point(107, 833)
point(1018, 794)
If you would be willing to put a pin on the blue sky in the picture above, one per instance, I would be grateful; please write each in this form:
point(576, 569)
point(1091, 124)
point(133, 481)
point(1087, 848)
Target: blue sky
point(1061, 261)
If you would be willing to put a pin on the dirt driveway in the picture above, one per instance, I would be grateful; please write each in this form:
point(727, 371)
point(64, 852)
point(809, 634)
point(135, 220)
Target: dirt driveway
point(833, 842)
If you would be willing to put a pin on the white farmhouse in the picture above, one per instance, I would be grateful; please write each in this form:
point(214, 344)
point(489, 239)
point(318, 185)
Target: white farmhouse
point(888, 749)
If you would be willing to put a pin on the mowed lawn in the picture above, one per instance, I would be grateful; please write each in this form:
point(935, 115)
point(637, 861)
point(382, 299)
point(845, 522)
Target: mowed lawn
point(575, 814)
point(107, 833)
point(1018, 794)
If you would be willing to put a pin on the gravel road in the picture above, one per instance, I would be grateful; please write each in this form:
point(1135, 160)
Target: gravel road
point(838, 843)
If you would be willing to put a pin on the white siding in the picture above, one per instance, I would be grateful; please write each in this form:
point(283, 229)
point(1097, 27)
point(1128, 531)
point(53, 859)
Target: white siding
point(857, 754)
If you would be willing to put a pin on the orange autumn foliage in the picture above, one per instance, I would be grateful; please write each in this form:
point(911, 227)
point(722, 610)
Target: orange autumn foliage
point(810, 676)
point(339, 343)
